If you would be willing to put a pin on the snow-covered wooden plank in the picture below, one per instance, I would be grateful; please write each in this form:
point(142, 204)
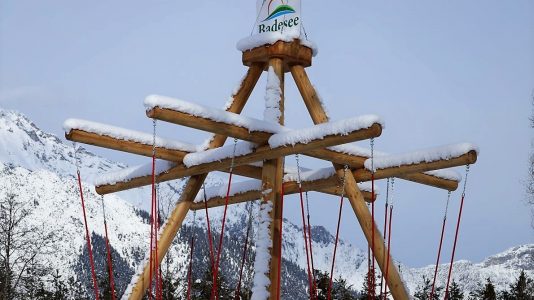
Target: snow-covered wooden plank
point(112, 137)
point(250, 190)
point(356, 156)
point(426, 156)
point(208, 119)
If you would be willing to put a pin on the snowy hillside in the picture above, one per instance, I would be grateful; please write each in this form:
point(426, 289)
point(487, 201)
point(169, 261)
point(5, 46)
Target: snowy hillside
point(38, 168)
point(502, 268)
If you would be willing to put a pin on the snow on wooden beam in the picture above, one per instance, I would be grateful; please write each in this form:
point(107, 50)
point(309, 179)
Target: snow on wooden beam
point(112, 137)
point(246, 153)
point(449, 152)
point(420, 161)
point(209, 119)
point(251, 190)
point(356, 156)
point(245, 128)
point(220, 159)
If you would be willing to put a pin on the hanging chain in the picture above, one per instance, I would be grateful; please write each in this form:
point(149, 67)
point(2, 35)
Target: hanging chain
point(343, 180)
point(465, 181)
point(76, 160)
point(298, 170)
point(153, 137)
point(232, 164)
point(103, 208)
point(387, 191)
point(447, 205)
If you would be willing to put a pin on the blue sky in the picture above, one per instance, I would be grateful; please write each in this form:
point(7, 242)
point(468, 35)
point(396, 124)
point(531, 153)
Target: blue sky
point(437, 72)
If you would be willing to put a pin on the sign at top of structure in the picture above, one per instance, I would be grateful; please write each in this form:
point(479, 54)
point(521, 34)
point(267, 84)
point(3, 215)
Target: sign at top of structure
point(281, 16)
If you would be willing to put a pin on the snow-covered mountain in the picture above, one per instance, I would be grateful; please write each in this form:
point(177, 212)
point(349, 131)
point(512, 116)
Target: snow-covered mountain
point(502, 268)
point(38, 168)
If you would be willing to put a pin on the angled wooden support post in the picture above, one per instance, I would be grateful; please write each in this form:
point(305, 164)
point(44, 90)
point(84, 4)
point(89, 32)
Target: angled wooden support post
point(192, 187)
point(318, 115)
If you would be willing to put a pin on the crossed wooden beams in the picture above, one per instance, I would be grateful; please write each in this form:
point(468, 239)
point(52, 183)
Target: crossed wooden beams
point(281, 57)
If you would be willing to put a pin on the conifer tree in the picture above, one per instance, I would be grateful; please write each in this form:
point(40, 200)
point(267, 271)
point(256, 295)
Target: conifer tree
point(60, 290)
point(522, 289)
point(76, 289)
point(201, 289)
point(488, 292)
point(455, 293)
point(321, 283)
point(425, 289)
point(365, 287)
point(342, 291)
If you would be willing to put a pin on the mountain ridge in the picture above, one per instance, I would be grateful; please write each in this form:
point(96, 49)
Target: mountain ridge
point(39, 167)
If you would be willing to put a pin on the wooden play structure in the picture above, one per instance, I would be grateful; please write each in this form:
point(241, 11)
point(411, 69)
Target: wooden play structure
point(263, 159)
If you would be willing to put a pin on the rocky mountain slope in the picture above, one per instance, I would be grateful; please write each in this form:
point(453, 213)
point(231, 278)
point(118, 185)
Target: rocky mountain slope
point(38, 168)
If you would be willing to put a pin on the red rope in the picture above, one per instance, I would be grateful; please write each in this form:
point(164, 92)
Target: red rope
point(384, 252)
point(214, 292)
point(210, 238)
point(190, 271)
point(306, 243)
point(311, 258)
point(153, 191)
point(335, 249)
point(278, 291)
point(159, 284)
point(88, 239)
point(373, 287)
point(110, 264)
point(454, 246)
point(389, 251)
point(368, 271)
point(437, 260)
point(238, 289)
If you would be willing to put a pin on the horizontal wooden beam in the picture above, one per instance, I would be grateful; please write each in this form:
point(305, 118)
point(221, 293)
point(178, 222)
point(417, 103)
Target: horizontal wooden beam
point(243, 170)
point(205, 124)
point(261, 153)
point(466, 159)
point(259, 137)
point(109, 142)
point(328, 186)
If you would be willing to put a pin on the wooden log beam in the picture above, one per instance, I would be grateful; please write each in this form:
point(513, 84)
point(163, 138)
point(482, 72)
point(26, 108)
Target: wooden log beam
point(328, 186)
point(192, 186)
point(465, 159)
point(95, 139)
point(261, 137)
point(206, 124)
point(261, 153)
point(408, 172)
point(369, 228)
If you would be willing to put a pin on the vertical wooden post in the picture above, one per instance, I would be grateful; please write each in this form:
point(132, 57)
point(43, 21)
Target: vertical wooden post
point(272, 177)
point(318, 114)
point(192, 187)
